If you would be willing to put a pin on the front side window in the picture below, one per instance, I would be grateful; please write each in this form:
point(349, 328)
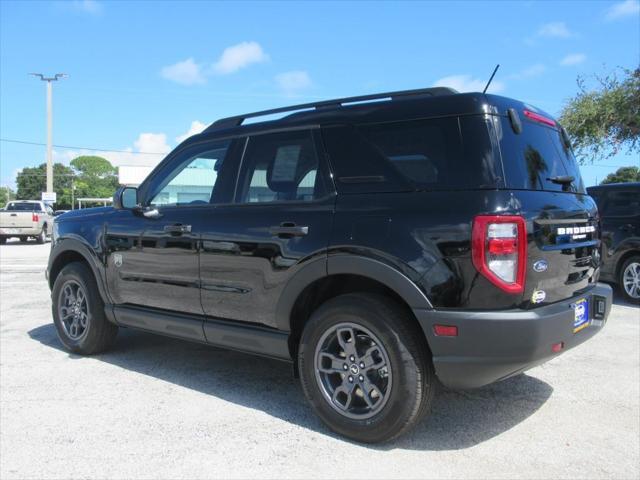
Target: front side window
point(281, 167)
point(194, 180)
point(622, 203)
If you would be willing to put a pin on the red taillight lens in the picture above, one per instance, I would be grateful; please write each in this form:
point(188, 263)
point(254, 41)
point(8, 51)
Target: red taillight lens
point(34, 217)
point(539, 118)
point(499, 250)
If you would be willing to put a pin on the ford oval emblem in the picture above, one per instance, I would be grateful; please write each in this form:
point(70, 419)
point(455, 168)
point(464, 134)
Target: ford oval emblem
point(540, 266)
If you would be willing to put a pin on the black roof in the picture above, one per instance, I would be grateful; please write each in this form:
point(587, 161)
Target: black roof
point(381, 107)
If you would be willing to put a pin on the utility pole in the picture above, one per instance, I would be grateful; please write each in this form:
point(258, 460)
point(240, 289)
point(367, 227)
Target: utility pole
point(55, 78)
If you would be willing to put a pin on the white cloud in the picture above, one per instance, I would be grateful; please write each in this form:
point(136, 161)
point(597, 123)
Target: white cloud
point(186, 72)
point(87, 6)
point(628, 8)
point(466, 83)
point(239, 56)
point(532, 71)
point(293, 82)
point(196, 127)
point(573, 59)
point(554, 30)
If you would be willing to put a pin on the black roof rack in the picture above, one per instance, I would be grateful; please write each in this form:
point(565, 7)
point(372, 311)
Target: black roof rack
point(338, 102)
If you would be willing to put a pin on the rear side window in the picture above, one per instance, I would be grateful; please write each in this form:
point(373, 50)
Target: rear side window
point(622, 203)
point(431, 154)
point(535, 156)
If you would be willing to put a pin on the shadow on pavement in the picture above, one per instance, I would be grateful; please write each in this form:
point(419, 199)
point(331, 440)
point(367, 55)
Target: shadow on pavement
point(458, 420)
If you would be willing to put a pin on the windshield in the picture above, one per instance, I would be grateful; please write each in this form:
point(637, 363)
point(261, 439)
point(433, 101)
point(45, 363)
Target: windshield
point(23, 207)
point(535, 157)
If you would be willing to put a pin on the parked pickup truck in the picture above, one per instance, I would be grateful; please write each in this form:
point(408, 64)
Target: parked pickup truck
point(24, 219)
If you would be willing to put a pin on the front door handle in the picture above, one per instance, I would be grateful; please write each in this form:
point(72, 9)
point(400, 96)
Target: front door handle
point(177, 228)
point(287, 230)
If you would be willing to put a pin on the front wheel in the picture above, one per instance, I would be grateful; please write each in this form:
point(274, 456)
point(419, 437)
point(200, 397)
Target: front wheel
point(630, 279)
point(365, 368)
point(78, 311)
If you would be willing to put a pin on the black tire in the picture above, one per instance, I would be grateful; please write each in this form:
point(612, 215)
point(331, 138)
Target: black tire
point(3, 240)
point(42, 237)
point(630, 290)
point(408, 396)
point(99, 334)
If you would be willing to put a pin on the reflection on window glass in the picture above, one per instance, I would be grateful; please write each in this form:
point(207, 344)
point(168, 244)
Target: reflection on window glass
point(193, 182)
point(625, 203)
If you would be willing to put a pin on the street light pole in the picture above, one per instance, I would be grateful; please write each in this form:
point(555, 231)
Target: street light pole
point(55, 78)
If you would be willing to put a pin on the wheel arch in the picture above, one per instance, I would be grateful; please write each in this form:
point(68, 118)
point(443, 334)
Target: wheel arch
point(326, 278)
point(71, 250)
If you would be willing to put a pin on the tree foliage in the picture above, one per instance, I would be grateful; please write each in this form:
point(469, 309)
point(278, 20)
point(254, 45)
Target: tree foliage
point(95, 177)
point(603, 120)
point(623, 175)
point(90, 176)
point(31, 181)
point(6, 194)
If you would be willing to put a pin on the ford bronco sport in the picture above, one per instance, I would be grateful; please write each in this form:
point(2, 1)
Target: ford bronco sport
point(382, 244)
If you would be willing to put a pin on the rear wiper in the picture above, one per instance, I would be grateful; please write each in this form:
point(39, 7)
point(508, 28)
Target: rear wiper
point(562, 179)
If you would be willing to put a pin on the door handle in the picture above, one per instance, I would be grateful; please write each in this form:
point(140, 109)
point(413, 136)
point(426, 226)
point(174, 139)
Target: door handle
point(177, 228)
point(288, 229)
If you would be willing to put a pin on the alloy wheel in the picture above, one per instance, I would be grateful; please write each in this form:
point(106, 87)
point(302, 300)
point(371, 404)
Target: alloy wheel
point(73, 310)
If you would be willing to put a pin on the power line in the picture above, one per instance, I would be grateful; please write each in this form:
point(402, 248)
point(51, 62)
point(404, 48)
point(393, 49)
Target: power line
point(24, 142)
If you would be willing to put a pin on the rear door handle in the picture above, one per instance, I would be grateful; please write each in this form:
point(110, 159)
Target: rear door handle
point(289, 230)
point(177, 228)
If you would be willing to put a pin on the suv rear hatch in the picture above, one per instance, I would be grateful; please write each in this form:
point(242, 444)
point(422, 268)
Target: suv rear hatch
point(542, 173)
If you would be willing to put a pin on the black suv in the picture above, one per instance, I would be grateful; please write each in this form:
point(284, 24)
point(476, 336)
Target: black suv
point(380, 243)
point(619, 207)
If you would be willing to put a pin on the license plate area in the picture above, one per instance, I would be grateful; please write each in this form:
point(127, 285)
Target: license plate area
point(581, 318)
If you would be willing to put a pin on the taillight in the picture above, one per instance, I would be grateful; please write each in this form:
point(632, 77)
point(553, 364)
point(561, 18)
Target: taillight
point(34, 217)
point(499, 250)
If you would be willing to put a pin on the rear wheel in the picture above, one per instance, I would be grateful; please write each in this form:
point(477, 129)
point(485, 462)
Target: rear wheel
point(42, 238)
point(365, 368)
point(78, 311)
point(630, 279)
point(3, 240)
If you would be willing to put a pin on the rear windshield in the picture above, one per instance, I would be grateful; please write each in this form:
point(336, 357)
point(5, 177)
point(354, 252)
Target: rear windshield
point(535, 156)
point(23, 207)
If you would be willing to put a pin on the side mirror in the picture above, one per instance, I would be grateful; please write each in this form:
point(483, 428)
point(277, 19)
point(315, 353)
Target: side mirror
point(126, 198)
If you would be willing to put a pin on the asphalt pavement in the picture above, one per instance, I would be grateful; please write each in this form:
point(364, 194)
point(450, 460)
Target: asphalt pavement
point(157, 408)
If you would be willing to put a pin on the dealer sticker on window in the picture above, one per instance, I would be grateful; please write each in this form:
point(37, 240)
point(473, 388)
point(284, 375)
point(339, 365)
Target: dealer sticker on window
point(581, 315)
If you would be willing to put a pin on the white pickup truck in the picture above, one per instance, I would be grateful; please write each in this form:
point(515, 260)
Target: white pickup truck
point(24, 219)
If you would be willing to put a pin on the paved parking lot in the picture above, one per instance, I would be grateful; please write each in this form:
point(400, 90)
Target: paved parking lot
point(155, 407)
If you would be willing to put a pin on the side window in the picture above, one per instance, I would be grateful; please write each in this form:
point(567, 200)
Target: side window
point(195, 180)
point(622, 203)
point(281, 167)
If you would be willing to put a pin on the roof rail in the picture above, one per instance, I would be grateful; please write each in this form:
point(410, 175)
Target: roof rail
point(338, 102)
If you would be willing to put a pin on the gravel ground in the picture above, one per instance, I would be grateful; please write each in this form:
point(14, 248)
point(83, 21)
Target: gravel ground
point(155, 407)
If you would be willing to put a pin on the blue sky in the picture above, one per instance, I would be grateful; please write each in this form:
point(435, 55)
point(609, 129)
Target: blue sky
point(144, 74)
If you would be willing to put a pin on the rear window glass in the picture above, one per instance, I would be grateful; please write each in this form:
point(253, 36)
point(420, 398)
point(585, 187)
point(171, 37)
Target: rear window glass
point(23, 207)
point(535, 156)
point(442, 153)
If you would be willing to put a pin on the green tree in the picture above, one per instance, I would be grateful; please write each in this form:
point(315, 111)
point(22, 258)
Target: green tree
point(603, 120)
point(6, 194)
point(622, 175)
point(31, 181)
point(95, 177)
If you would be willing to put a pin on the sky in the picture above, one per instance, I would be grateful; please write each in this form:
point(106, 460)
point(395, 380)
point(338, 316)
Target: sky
point(144, 75)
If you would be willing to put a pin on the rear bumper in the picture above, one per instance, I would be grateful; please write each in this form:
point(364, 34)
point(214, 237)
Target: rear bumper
point(492, 346)
point(20, 231)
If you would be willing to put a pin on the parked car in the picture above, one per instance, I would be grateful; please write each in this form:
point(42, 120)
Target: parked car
point(380, 244)
point(24, 219)
point(619, 206)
